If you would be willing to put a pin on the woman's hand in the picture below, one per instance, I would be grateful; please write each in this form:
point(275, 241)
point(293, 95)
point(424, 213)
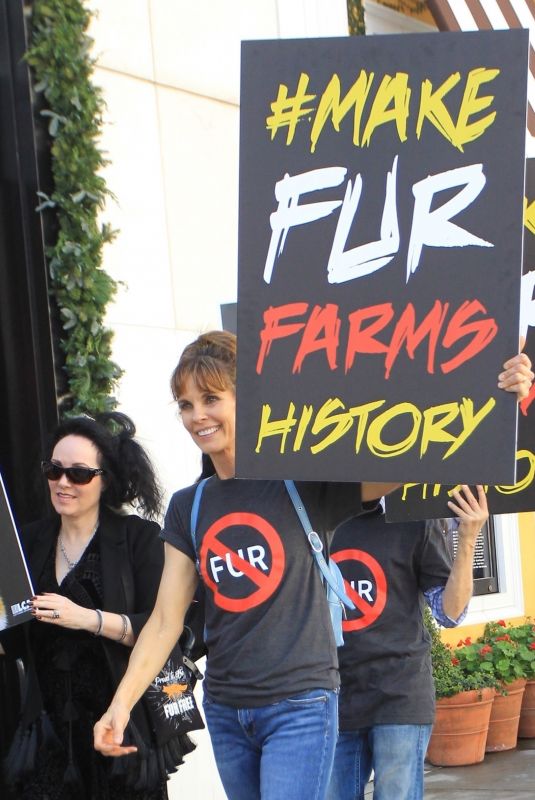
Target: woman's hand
point(517, 376)
point(55, 609)
point(471, 511)
point(109, 732)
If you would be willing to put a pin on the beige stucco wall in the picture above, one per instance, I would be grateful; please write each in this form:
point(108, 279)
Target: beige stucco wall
point(169, 70)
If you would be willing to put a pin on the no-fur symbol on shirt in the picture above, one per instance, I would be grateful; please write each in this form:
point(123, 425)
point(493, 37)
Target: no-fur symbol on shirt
point(262, 565)
point(367, 612)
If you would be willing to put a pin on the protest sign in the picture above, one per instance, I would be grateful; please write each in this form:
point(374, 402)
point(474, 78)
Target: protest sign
point(380, 247)
point(15, 584)
point(428, 501)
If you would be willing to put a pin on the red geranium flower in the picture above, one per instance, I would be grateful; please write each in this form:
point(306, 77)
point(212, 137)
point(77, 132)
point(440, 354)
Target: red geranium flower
point(502, 623)
point(485, 649)
point(531, 645)
point(455, 661)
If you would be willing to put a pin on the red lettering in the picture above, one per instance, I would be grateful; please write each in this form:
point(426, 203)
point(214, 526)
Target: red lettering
point(483, 330)
point(321, 319)
point(406, 331)
point(321, 329)
point(362, 340)
point(527, 401)
point(273, 330)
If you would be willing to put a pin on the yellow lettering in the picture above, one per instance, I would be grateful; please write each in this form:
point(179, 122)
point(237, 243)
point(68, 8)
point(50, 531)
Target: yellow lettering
point(472, 104)
point(375, 443)
point(433, 430)
point(470, 421)
point(361, 413)
point(330, 105)
point(306, 416)
point(392, 92)
point(325, 417)
point(432, 107)
point(522, 484)
point(287, 111)
point(279, 427)
point(529, 215)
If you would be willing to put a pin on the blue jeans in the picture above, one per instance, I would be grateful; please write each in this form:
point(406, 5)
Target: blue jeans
point(395, 753)
point(282, 751)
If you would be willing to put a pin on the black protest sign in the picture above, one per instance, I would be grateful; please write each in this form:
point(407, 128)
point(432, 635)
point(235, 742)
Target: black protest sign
point(380, 240)
point(429, 501)
point(15, 584)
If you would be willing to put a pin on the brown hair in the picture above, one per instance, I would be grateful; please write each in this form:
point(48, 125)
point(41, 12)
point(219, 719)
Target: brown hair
point(210, 361)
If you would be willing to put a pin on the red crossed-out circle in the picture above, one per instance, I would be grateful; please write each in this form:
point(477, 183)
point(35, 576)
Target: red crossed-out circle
point(266, 584)
point(369, 612)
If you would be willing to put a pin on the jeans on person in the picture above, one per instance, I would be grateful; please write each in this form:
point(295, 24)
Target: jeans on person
point(395, 753)
point(282, 751)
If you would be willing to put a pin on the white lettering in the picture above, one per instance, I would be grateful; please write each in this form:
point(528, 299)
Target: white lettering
point(434, 228)
point(256, 555)
point(367, 258)
point(289, 213)
point(364, 589)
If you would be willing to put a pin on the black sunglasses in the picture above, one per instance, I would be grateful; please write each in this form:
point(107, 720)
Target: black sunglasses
point(79, 475)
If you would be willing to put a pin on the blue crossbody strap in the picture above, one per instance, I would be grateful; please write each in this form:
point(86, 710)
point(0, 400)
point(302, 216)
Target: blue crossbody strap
point(194, 516)
point(316, 544)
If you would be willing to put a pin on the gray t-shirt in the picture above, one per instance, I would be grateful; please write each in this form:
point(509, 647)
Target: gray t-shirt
point(269, 632)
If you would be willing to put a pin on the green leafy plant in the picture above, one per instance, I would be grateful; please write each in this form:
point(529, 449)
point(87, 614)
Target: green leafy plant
point(59, 56)
point(355, 17)
point(495, 653)
point(449, 677)
point(514, 639)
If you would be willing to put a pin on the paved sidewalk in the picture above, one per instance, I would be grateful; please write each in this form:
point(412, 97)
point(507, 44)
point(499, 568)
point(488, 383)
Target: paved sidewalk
point(509, 776)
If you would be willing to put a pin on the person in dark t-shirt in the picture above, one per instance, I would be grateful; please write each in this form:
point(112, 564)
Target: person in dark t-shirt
point(387, 698)
point(271, 689)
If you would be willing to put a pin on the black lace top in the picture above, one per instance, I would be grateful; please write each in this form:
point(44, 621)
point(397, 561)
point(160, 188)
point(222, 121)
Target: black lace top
point(76, 689)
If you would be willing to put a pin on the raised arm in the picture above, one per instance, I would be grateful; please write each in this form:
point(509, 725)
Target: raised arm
point(473, 514)
point(152, 648)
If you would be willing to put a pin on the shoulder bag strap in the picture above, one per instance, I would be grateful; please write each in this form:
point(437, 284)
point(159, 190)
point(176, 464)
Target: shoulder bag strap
point(315, 543)
point(194, 515)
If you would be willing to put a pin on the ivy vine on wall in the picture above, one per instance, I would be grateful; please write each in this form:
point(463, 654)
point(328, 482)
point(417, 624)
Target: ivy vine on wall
point(59, 55)
point(355, 17)
point(355, 11)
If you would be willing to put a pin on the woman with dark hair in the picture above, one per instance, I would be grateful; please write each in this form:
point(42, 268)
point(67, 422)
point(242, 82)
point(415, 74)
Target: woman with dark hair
point(95, 571)
point(270, 692)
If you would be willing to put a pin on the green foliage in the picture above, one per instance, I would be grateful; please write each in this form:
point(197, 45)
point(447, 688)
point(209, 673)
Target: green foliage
point(513, 649)
point(355, 17)
point(355, 12)
point(62, 69)
point(505, 652)
point(448, 674)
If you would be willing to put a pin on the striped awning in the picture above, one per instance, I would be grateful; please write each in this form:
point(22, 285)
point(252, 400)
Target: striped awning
point(473, 15)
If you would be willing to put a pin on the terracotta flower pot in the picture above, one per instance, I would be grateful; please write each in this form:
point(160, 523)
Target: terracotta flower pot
point(505, 717)
point(460, 728)
point(526, 728)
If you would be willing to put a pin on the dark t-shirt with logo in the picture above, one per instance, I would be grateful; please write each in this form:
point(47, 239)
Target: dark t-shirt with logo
point(385, 664)
point(269, 632)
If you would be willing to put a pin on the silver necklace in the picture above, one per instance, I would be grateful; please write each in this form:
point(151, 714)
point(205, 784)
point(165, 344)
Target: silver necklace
point(72, 564)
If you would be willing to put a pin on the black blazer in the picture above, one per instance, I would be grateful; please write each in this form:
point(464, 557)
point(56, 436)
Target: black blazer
point(131, 555)
point(131, 560)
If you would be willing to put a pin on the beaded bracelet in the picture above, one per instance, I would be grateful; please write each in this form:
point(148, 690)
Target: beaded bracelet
point(100, 622)
point(122, 637)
